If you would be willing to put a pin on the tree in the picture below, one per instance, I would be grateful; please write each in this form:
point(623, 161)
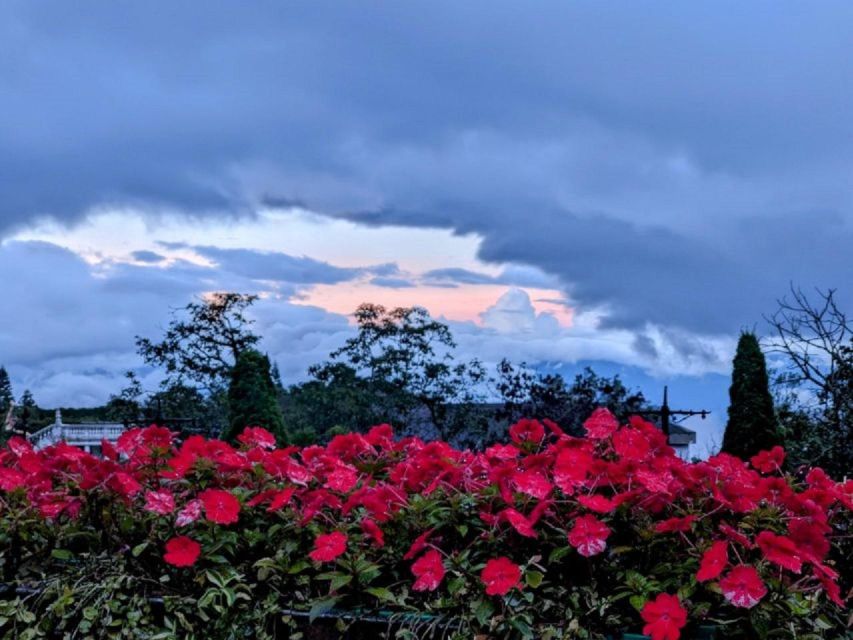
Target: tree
point(814, 337)
point(526, 393)
point(275, 374)
point(336, 399)
point(6, 397)
point(127, 405)
point(404, 360)
point(29, 412)
point(752, 423)
point(203, 344)
point(252, 400)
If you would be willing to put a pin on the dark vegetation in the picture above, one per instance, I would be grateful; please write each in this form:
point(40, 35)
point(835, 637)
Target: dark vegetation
point(401, 367)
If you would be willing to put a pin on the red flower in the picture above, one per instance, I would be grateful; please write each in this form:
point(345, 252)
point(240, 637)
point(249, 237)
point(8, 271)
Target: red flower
point(664, 617)
point(742, 586)
point(500, 576)
point(597, 503)
point(329, 546)
point(571, 468)
point(519, 522)
point(125, 484)
point(220, 506)
point(589, 535)
point(601, 424)
point(182, 551)
point(502, 452)
point(631, 444)
point(676, 524)
point(11, 479)
point(189, 514)
point(342, 478)
point(161, 502)
point(527, 430)
point(768, 461)
point(281, 499)
point(372, 530)
point(257, 437)
point(827, 579)
point(736, 536)
point(532, 483)
point(429, 571)
point(714, 560)
point(418, 545)
point(780, 550)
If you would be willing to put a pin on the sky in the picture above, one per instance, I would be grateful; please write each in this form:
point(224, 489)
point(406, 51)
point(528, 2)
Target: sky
point(627, 184)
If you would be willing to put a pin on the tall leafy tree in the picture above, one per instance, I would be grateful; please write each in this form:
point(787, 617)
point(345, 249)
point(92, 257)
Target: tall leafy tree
point(252, 398)
point(203, 342)
point(405, 360)
point(752, 424)
point(199, 349)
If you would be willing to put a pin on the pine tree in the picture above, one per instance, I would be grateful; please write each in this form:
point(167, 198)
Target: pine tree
point(6, 396)
point(252, 400)
point(276, 377)
point(752, 422)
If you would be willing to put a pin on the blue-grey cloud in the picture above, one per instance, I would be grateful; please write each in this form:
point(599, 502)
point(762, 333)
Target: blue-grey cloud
point(150, 257)
point(277, 266)
point(514, 275)
point(577, 137)
point(72, 335)
point(392, 283)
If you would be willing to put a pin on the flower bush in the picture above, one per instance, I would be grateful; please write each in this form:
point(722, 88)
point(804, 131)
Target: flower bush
point(547, 536)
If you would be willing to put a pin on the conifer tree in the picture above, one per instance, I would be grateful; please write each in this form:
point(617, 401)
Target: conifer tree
point(252, 400)
point(6, 396)
point(752, 420)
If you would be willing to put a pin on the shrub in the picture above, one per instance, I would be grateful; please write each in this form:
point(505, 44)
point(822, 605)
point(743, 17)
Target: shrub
point(548, 536)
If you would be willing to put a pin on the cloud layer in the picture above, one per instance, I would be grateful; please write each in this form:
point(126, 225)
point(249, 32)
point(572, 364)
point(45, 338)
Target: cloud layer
point(671, 164)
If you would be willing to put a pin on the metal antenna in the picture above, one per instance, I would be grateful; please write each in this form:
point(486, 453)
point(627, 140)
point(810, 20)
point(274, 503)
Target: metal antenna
point(666, 413)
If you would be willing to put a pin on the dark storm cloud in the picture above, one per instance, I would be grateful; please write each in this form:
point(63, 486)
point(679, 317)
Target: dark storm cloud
point(676, 164)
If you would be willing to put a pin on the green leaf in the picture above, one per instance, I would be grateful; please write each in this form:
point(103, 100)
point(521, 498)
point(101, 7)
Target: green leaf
point(558, 554)
point(637, 601)
point(62, 554)
point(483, 610)
point(320, 607)
point(522, 627)
point(382, 593)
point(138, 549)
point(533, 578)
point(455, 585)
point(340, 580)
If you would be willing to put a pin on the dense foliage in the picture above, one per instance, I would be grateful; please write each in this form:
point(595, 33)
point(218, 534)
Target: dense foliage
point(252, 396)
point(400, 366)
point(752, 419)
point(547, 536)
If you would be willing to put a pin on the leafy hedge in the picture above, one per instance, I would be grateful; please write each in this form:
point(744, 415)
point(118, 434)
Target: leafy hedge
point(547, 536)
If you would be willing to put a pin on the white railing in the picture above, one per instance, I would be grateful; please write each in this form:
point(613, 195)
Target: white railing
point(82, 435)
